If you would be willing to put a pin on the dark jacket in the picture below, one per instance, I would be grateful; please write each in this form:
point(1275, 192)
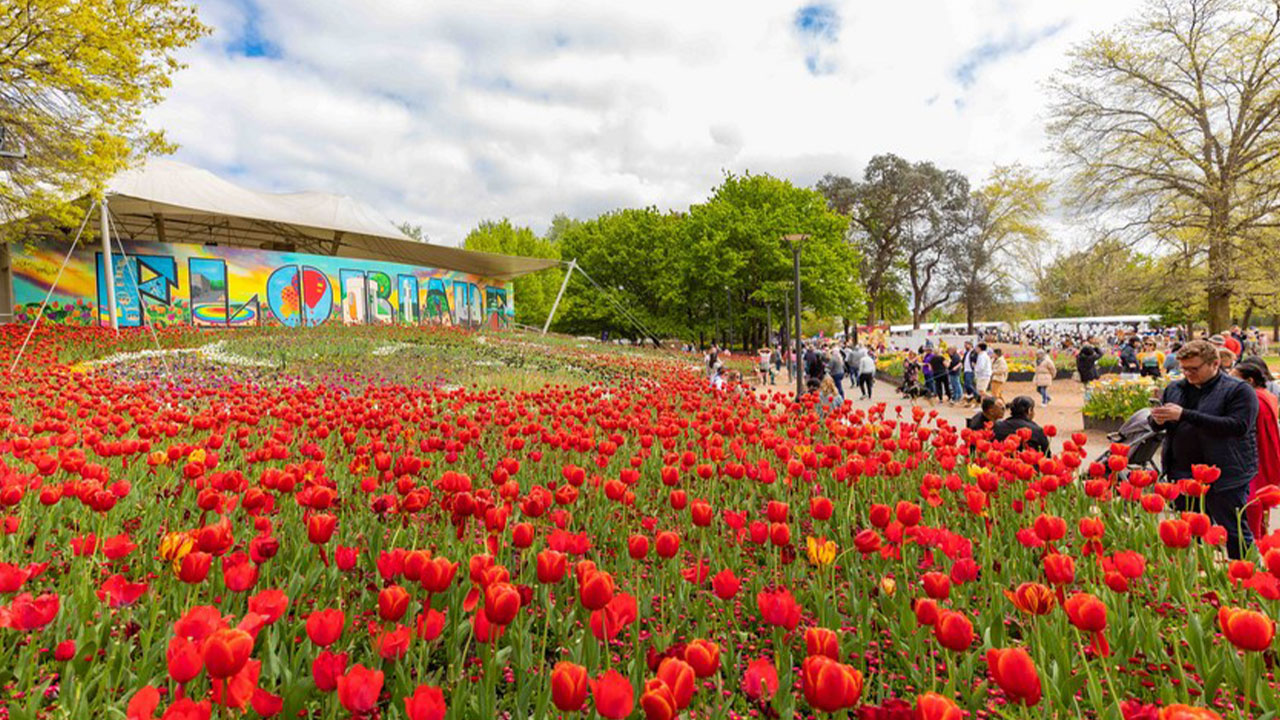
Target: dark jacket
point(977, 423)
point(1128, 358)
point(1218, 427)
point(1011, 426)
point(1087, 363)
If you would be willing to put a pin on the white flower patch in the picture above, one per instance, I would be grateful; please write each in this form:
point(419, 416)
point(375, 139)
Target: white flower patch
point(213, 352)
point(391, 349)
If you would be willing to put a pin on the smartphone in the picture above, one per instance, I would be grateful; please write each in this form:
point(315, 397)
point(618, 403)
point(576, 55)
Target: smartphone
point(1155, 402)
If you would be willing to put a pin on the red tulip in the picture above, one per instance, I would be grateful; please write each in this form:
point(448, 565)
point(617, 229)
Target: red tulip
point(270, 604)
point(437, 575)
point(327, 668)
point(760, 680)
point(226, 651)
point(426, 703)
point(936, 585)
point(184, 659)
point(667, 544)
point(358, 690)
point(725, 584)
point(595, 589)
point(637, 547)
point(1088, 614)
point(932, 706)
point(393, 602)
point(1059, 569)
point(320, 527)
point(613, 694)
point(194, 567)
point(501, 603)
point(953, 631)
point(552, 566)
point(569, 686)
point(1186, 712)
point(657, 701)
point(1175, 533)
point(680, 677)
point(1015, 673)
point(324, 627)
point(779, 608)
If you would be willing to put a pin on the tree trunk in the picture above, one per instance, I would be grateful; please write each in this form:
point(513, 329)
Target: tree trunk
point(1219, 285)
point(968, 315)
point(1248, 315)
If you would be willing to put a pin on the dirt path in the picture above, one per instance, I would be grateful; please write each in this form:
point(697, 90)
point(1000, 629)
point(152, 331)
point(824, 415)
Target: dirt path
point(1066, 396)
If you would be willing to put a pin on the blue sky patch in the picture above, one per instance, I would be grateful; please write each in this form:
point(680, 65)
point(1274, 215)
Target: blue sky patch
point(994, 50)
point(251, 42)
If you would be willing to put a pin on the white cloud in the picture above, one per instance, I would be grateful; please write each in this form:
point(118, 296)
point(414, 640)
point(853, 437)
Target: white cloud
point(448, 112)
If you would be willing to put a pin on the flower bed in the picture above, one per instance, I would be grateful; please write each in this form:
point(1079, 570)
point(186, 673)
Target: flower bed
point(1111, 398)
point(389, 522)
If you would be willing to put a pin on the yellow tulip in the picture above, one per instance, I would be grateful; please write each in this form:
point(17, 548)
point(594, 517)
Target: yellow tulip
point(821, 551)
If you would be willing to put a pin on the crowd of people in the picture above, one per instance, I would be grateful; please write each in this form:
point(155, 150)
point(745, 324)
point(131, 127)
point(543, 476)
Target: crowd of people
point(1220, 405)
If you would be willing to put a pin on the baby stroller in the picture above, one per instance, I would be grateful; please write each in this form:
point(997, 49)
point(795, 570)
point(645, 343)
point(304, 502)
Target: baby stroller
point(1143, 440)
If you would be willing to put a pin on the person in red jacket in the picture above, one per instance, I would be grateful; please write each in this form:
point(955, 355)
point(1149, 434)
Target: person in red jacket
point(1257, 375)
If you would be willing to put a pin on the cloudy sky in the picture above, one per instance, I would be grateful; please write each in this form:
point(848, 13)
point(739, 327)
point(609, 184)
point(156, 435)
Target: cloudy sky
point(444, 113)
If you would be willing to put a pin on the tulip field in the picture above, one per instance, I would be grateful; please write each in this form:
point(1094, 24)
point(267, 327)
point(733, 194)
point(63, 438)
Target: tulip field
point(427, 523)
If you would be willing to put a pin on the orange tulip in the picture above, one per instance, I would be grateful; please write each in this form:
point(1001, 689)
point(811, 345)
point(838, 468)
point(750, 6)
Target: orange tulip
point(657, 701)
point(1246, 629)
point(703, 656)
point(226, 651)
point(829, 685)
point(1186, 712)
point(679, 676)
point(932, 706)
point(822, 641)
point(1032, 598)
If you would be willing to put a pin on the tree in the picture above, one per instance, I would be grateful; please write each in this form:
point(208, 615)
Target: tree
point(719, 270)
point(1106, 278)
point(893, 196)
point(629, 267)
point(534, 293)
point(416, 232)
point(1171, 124)
point(1003, 222)
point(930, 241)
point(736, 252)
point(75, 78)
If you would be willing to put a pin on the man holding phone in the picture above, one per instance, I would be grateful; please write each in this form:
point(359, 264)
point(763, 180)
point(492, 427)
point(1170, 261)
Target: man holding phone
point(1209, 418)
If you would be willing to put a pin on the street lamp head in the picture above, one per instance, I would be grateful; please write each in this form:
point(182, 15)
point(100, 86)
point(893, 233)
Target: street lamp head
point(795, 237)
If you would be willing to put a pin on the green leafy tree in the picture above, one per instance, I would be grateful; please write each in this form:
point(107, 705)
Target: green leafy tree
point(717, 272)
point(75, 78)
point(736, 250)
point(627, 257)
point(534, 293)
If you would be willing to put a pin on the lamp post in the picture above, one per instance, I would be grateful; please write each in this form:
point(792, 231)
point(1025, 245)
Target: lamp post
point(795, 239)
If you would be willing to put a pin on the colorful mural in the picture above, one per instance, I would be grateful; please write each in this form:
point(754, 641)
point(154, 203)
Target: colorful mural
point(211, 286)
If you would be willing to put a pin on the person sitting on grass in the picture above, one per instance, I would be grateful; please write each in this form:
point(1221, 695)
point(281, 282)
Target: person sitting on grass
point(992, 412)
point(1022, 413)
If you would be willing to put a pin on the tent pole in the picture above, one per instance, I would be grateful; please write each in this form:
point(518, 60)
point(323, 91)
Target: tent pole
point(108, 268)
point(547, 325)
